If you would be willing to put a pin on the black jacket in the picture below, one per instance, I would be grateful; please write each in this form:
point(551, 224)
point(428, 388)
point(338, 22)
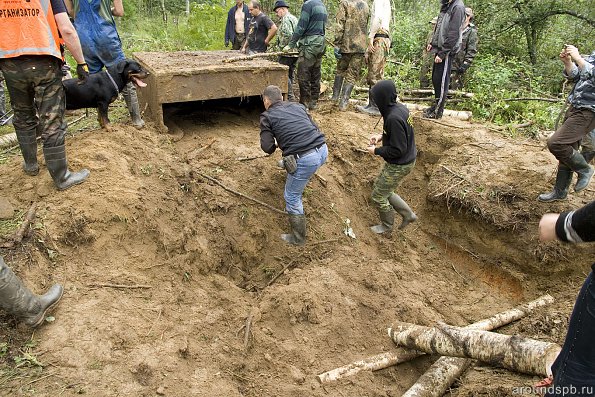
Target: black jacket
point(398, 140)
point(291, 126)
point(577, 226)
point(448, 32)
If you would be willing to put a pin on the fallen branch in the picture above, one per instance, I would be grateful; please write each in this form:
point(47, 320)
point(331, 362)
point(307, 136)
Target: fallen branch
point(458, 114)
point(321, 179)
point(423, 92)
point(516, 353)
point(119, 286)
point(417, 99)
point(252, 157)
point(534, 99)
point(340, 157)
point(443, 123)
point(276, 276)
point(22, 230)
point(247, 331)
point(400, 355)
point(242, 194)
point(195, 153)
point(260, 55)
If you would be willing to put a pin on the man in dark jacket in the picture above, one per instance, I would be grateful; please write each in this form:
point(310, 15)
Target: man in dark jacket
point(446, 42)
point(308, 37)
point(574, 369)
point(466, 54)
point(237, 26)
point(398, 151)
point(289, 126)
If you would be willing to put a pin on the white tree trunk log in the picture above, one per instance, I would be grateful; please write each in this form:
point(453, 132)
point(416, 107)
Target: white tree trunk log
point(8, 140)
point(438, 378)
point(513, 352)
point(388, 359)
point(457, 114)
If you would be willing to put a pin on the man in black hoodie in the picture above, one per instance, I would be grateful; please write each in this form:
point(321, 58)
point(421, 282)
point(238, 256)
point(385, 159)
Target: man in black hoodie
point(398, 150)
point(446, 42)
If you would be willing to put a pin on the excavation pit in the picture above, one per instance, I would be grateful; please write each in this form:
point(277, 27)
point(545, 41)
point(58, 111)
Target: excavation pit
point(188, 76)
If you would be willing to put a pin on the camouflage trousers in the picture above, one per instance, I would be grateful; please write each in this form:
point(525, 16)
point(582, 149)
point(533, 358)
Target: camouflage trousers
point(425, 72)
point(238, 41)
point(308, 74)
point(28, 77)
point(377, 60)
point(350, 66)
point(387, 182)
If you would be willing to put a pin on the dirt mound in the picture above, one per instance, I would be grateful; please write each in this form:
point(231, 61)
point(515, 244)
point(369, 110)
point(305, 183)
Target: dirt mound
point(163, 268)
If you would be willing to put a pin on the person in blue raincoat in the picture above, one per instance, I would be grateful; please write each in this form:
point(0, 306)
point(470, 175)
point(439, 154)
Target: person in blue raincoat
point(96, 27)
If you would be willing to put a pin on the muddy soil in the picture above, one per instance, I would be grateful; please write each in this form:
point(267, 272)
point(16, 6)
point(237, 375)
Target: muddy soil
point(162, 267)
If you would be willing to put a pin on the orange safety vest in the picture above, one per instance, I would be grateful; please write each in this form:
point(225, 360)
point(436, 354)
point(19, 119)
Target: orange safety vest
point(28, 28)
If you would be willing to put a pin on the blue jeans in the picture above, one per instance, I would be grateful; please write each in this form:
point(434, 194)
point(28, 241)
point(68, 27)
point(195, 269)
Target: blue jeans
point(296, 182)
point(574, 369)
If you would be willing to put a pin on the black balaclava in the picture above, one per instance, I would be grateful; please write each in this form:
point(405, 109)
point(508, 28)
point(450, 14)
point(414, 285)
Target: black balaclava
point(384, 93)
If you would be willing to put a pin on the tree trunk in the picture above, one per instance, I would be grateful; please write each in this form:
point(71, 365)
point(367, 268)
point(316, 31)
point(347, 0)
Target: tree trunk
point(388, 359)
point(513, 352)
point(187, 8)
point(438, 378)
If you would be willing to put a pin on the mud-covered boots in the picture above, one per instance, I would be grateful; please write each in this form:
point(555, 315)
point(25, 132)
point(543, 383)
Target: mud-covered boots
point(55, 161)
point(131, 98)
point(297, 236)
point(585, 172)
point(402, 209)
point(560, 191)
point(28, 144)
point(370, 108)
point(290, 96)
point(387, 220)
point(17, 300)
point(338, 83)
point(345, 95)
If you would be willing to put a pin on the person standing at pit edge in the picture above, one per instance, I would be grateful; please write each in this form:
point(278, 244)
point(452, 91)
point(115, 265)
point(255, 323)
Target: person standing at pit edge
point(308, 37)
point(287, 25)
point(574, 369)
point(464, 58)
point(350, 46)
point(238, 23)
point(446, 42)
point(289, 126)
point(31, 62)
point(96, 27)
point(378, 49)
point(578, 121)
point(398, 151)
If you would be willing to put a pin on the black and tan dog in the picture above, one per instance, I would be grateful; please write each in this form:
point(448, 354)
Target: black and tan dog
point(102, 88)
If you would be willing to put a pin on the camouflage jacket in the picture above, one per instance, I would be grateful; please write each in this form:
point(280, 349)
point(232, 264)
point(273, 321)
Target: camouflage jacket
point(583, 93)
point(285, 31)
point(352, 26)
point(464, 58)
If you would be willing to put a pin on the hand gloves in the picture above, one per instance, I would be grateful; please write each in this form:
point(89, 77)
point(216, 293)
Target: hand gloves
point(337, 53)
point(82, 71)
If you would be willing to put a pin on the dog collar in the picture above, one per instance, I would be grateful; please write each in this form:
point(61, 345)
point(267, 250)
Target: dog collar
point(113, 82)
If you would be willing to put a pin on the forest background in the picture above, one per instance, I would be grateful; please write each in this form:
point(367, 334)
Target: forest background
point(519, 43)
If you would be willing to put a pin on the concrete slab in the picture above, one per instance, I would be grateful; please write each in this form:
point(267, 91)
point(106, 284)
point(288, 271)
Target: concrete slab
point(186, 76)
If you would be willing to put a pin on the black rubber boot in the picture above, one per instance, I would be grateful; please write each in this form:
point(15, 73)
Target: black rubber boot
point(402, 209)
point(337, 87)
point(560, 191)
point(131, 98)
point(387, 221)
point(17, 300)
point(370, 108)
point(290, 96)
point(430, 113)
point(585, 172)
point(297, 236)
point(28, 145)
point(345, 95)
point(55, 161)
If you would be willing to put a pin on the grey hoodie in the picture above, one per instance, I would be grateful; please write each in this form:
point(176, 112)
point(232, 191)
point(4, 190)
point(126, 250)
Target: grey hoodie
point(448, 32)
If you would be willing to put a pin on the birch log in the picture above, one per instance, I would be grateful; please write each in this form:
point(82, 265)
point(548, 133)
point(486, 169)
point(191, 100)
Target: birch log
point(388, 359)
point(516, 353)
point(457, 114)
point(8, 140)
point(438, 378)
